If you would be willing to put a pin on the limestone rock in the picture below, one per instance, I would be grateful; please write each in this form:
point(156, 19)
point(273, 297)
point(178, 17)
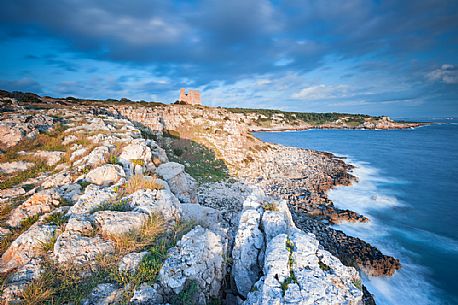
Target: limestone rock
point(146, 294)
point(130, 262)
point(105, 175)
point(15, 166)
point(104, 294)
point(69, 139)
point(51, 157)
point(247, 246)
point(162, 202)
point(92, 198)
point(202, 215)
point(112, 223)
point(37, 204)
point(181, 184)
point(11, 192)
point(198, 257)
point(11, 134)
point(18, 281)
point(138, 150)
point(56, 180)
point(77, 249)
point(26, 247)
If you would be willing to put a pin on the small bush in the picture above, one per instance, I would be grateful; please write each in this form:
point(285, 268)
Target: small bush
point(323, 266)
point(270, 206)
point(188, 296)
point(358, 284)
point(134, 241)
point(139, 162)
point(113, 159)
point(117, 206)
point(57, 219)
point(138, 182)
point(84, 184)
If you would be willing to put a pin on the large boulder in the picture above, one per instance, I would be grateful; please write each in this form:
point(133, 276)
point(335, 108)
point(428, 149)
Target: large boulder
point(199, 214)
point(198, 257)
point(112, 223)
point(105, 175)
point(161, 202)
point(11, 134)
point(26, 247)
point(181, 184)
point(137, 150)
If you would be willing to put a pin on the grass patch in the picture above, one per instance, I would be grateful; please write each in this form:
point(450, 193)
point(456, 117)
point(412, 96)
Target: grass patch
point(36, 170)
point(63, 285)
point(84, 184)
point(188, 296)
point(117, 206)
point(323, 266)
point(292, 277)
point(270, 206)
point(139, 162)
point(200, 161)
point(57, 219)
point(358, 284)
point(157, 242)
point(135, 241)
point(138, 182)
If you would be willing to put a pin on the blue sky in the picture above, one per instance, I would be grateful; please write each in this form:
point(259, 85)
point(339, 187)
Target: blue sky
point(398, 58)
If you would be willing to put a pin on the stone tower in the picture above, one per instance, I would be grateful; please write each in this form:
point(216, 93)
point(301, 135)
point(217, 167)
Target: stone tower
point(191, 98)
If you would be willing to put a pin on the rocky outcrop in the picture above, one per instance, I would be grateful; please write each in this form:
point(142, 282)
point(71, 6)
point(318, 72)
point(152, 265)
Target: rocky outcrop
point(275, 263)
point(161, 202)
point(26, 247)
point(105, 175)
point(198, 257)
point(181, 183)
point(38, 204)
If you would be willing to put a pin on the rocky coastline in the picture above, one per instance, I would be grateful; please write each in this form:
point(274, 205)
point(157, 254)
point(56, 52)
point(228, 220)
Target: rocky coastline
point(256, 213)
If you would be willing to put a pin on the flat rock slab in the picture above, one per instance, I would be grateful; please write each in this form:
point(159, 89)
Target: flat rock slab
point(112, 223)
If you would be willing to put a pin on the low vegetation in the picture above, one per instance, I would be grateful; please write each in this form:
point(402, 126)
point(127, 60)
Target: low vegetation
point(292, 277)
point(71, 284)
point(270, 206)
point(138, 182)
point(201, 162)
point(267, 115)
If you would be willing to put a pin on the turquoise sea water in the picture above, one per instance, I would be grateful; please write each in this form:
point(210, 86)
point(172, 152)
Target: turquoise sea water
point(409, 189)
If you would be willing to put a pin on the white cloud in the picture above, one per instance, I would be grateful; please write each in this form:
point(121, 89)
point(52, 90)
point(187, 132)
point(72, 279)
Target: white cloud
point(447, 74)
point(321, 92)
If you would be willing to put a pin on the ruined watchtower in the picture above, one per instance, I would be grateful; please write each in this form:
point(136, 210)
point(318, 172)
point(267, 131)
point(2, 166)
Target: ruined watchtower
point(191, 98)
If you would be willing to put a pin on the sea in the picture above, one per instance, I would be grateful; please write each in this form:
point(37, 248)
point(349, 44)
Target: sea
point(408, 187)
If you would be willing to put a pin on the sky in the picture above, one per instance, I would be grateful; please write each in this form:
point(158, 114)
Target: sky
point(397, 58)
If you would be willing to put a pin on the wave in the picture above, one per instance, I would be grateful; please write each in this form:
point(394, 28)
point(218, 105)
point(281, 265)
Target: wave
point(365, 195)
point(410, 285)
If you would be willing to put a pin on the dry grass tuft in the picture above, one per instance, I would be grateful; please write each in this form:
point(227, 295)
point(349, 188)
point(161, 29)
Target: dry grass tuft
point(138, 182)
point(137, 240)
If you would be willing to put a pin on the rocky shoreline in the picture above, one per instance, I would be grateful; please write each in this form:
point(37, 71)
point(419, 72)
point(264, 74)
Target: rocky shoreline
point(111, 169)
